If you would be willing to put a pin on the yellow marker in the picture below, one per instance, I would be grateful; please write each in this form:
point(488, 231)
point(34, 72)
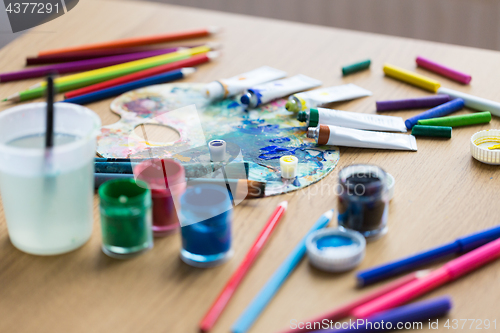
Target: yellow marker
point(494, 147)
point(411, 78)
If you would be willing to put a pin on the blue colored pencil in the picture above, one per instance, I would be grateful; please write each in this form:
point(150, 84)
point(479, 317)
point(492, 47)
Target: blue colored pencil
point(122, 88)
point(459, 246)
point(412, 313)
point(248, 317)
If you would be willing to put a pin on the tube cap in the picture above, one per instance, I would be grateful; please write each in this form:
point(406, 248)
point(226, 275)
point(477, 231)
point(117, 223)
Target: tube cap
point(313, 117)
point(288, 166)
point(301, 116)
point(214, 90)
point(335, 250)
point(217, 150)
point(480, 144)
point(291, 105)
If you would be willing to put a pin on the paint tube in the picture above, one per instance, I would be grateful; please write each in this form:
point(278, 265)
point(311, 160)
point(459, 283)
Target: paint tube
point(237, 84)
point(371, 122)
point(348, 137)
point(317, 97)
point(267, 92)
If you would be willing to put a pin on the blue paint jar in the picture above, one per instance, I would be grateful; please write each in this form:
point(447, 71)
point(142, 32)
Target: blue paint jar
point(205, 217)
point(363, 201)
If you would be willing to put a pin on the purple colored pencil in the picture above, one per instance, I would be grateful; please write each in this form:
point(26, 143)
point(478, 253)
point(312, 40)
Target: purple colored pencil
point(443, 70)
point(82, 65)
point(412, 103)
point(439, 111)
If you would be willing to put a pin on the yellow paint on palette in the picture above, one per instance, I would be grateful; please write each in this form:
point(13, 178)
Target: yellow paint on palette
point(182, 158)
point(411, 78)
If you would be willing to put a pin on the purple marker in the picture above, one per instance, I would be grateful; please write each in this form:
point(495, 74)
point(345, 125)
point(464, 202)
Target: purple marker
point(408, 314)
point(439, 111)
point(412, 103)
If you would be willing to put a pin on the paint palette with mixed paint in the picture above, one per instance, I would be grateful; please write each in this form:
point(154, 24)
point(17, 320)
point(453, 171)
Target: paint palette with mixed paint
point(263, 135)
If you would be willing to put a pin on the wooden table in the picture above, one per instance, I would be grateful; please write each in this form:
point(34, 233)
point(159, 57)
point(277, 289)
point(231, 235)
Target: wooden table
point(441, 191)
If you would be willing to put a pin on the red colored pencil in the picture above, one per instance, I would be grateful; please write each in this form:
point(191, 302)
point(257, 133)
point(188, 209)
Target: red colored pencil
point(345, 310)
point(84, 55)
point(193, 61)
point(135, 41)
point(220, 303)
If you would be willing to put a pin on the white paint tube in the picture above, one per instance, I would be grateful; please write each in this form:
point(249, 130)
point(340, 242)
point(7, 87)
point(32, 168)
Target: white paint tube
point(348, 137)
point(270, 91)
point(473, 102)
point(317, 97)
point(237, 84)
point(371, 122)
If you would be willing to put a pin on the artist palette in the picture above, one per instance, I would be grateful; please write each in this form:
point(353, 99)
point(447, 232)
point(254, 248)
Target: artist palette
point(263, 135)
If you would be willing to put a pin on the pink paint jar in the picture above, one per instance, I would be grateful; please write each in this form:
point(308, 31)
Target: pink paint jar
point(167, 181)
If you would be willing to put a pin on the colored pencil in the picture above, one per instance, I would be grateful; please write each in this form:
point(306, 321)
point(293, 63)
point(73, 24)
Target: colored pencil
point(252, 312)
point(448, 272)
point(345, 310)
point(409, 314)
point(123, 88)
point(459, 246)
point(85, 55)
point(193, 61)
point(82, 65)
point(136, 41)
point(75, 81)
point(222, 300)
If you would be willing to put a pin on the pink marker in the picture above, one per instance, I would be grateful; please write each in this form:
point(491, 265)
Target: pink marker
point(448, 272)
point(443, 70)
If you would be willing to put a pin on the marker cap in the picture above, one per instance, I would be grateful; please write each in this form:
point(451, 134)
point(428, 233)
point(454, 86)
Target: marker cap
point(335, 249)
point(479, 144)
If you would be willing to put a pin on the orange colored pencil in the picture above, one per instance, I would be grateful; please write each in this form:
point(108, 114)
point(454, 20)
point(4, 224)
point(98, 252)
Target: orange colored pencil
point(135, 41)
point(220, 303)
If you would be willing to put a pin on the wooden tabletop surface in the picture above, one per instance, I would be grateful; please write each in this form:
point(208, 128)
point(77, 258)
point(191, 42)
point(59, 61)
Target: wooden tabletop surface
point(441, 192)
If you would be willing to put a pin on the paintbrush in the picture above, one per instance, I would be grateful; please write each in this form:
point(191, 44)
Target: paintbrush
point(239, 188)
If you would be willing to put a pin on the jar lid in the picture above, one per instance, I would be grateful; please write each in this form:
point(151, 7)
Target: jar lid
point(335, 250)
point(482, 146)
point(390, 182)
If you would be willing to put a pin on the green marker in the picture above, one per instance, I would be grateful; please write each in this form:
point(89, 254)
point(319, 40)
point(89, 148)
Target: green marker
point(357, 67)
point(433, 131)
point(460, 120)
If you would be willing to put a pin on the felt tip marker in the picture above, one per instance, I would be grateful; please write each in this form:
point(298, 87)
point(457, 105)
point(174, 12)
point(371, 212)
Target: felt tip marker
point(459, 246)
point(448, 272)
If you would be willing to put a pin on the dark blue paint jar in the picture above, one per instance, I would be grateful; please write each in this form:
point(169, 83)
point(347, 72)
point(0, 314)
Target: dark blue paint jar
point(206, 217)
point(363, 201)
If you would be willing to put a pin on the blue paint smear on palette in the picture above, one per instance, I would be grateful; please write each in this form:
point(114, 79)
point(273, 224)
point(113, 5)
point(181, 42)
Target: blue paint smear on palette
point(263, 134)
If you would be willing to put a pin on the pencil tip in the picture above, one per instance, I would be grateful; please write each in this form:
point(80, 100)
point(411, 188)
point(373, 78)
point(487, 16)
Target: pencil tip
point(5, 100)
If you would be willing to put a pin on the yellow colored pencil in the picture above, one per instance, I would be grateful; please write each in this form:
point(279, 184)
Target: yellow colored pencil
point(149, 62)
point(411, 78)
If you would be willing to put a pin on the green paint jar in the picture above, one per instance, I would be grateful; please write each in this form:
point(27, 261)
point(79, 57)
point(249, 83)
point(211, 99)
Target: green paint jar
point(125, 218)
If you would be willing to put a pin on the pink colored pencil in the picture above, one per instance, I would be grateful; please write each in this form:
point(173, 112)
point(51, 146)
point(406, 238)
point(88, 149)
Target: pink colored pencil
point(82, 65)
point(448, 272)
point(443, 70)
point(220, 303)
point(346, 309)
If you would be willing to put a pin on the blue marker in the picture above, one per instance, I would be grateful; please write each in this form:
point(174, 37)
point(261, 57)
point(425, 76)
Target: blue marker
point(248, 317)
point(408, 314)
point(461, 245)
point(439, 111)
point(122, 88)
